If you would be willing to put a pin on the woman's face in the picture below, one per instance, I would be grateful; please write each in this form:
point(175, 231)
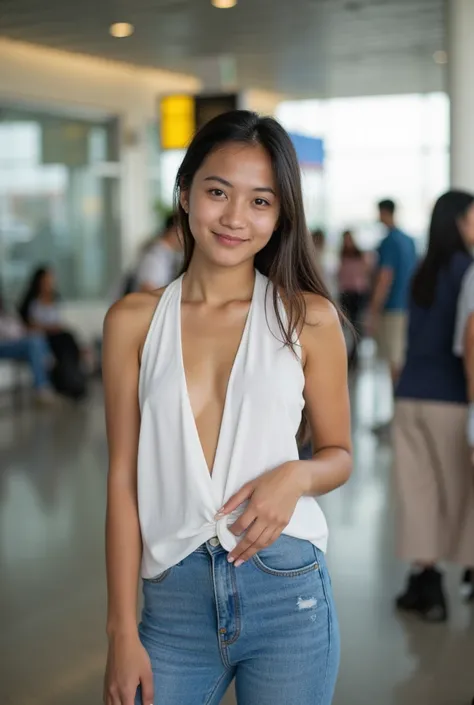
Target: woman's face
point(47, 283)
point(233, 204)
point(348, 241)
point(466, 226)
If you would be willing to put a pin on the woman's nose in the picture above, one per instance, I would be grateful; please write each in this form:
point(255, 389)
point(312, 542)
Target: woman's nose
point(233, 216)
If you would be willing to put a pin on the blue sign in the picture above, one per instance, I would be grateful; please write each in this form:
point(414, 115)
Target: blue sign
point(309, 150)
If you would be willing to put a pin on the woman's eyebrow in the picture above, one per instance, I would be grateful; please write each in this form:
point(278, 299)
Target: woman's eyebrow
point(260, 189)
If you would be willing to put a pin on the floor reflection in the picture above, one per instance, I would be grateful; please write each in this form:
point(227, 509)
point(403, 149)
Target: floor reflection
point(52, 594)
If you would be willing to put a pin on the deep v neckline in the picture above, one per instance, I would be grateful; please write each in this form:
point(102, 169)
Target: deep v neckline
point(211, 472)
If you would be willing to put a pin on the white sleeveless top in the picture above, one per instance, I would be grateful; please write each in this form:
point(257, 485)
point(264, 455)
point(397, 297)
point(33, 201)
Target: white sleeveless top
point(177, 496)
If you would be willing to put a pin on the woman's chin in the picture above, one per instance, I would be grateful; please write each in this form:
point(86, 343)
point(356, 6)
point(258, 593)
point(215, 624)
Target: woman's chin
point(219, 257)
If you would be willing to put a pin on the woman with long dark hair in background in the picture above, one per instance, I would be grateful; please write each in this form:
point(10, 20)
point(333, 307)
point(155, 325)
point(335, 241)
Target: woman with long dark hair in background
point(205, 382)
point(353, 285)
point(432, 460)
point(353, 278)
point(40, 311)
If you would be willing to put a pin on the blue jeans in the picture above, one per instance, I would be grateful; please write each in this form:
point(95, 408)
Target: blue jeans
point(270, 623)
point(33, 349)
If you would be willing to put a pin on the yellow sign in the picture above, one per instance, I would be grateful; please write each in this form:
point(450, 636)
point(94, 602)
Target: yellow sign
point(178, 122)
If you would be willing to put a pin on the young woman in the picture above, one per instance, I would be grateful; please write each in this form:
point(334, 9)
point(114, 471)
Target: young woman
point(353, 284)
point(353, 278)
point(205, 382)
point(432, 459)
point(41, 312)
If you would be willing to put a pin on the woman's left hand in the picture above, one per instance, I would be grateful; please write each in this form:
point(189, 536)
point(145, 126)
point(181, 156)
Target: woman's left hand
point(272, 499)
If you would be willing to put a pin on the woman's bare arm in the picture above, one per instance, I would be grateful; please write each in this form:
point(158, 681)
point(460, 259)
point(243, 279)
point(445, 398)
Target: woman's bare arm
point(128, 664)
point(327, 399)
point(124, 331)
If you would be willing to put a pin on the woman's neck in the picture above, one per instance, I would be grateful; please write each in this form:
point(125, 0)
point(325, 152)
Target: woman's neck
point(214, 285)
point(45, 298)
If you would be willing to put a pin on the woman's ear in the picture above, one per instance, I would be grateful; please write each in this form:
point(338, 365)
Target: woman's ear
point(184, 198)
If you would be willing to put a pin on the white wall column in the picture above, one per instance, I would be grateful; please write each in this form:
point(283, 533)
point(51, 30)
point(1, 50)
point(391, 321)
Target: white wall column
point(460, 22)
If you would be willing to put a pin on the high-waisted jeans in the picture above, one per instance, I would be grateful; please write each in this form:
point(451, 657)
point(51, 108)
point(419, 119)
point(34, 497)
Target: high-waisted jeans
point(270, 624)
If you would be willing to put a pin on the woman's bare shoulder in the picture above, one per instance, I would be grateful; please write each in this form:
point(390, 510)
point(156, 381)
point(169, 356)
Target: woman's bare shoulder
point(322, 334)
point(320, 311)
point(131, 316)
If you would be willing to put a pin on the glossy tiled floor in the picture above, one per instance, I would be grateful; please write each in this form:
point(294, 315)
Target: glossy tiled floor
point(52, 595)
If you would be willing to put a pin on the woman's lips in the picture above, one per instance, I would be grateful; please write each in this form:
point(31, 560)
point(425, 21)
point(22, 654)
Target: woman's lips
point(229, 240)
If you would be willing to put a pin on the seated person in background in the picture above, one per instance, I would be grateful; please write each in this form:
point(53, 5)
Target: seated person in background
point(40, 312)
point(162, 260)
point(16, 343)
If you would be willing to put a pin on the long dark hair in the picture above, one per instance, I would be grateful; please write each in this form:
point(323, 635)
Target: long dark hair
point(32, 292)
point(289, 258)
point(445, 240)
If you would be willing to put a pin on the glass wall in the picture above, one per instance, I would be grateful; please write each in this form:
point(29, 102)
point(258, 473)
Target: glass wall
point(376, 147)
point(59, 189)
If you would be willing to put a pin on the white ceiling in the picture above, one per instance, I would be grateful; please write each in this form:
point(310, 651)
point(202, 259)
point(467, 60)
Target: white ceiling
point(307, 48)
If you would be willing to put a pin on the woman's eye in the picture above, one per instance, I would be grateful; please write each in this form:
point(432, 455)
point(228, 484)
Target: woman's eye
point(261, 202)
point(217, 192)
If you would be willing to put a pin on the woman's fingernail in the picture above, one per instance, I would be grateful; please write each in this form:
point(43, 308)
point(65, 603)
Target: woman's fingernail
point(239, 563)
point(231, 559)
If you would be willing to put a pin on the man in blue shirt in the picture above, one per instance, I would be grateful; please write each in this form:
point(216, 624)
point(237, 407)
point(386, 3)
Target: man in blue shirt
point(387, 319)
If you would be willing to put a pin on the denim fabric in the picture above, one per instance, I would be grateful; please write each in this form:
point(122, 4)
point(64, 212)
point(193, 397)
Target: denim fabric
point(270, 624)
point(33, 349)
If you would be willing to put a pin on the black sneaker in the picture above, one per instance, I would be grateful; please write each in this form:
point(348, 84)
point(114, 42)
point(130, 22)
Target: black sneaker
point(410, 600)
point(467, 585)
point(425, 596)
point(434, 607)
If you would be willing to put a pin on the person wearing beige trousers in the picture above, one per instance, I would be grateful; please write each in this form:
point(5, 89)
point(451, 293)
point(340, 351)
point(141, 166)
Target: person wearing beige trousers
point(432, 466)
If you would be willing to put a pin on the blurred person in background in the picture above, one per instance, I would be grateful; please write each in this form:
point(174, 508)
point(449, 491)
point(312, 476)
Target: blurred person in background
point(353, 285)
point(464, 348)
point(323, 261)
point(433, 469)
point(319, 240)
point(17, 343)
point(41, 312)
point(387, 310)
point(162, 260)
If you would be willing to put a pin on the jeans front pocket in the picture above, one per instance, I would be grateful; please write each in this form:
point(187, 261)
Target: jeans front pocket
point(159, 578)
point(287, 557)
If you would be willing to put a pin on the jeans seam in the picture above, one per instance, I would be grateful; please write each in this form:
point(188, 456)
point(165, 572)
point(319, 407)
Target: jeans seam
point(222, 644)
point(238, 624)
point(213, 691)
point(330, 633)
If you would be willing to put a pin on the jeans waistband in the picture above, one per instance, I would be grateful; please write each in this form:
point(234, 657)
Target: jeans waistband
point(213, 545)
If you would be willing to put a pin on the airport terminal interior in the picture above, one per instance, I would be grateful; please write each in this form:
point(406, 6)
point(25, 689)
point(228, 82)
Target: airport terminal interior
point(97, 105)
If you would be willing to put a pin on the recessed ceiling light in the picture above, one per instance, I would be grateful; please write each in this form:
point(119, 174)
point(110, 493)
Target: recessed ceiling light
point(121, 29)
point(440, 57)
point(224, 4)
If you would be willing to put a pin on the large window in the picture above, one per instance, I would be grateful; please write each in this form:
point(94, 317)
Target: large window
point(376, 147)
point(58, 202)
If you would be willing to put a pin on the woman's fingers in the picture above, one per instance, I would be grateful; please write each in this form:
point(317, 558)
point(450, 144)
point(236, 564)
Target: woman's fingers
point(265, 539)
point(147, 688)
point(237, 499)
point(243, 522)
point(255, 540)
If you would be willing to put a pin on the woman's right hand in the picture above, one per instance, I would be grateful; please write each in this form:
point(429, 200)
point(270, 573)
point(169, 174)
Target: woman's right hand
point(128, 666)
